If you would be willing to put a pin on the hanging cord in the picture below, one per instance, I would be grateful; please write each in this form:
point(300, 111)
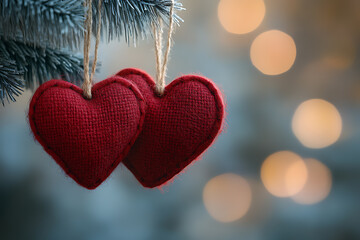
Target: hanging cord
point(162, 60)
point(88, 80)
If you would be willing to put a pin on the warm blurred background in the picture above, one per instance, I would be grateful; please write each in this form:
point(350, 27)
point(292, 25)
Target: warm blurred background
point(287, 165)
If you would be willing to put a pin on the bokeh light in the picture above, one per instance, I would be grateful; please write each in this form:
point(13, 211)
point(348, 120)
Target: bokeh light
point(227, 197)
point(241, 16)
point(340, 51)
point(283, 173)
point(273, 52)
point(317, 123)
point(318, 183)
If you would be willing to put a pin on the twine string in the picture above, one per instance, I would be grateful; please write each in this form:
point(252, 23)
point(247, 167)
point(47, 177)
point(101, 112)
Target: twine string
point(162, 59)
point(88, 79)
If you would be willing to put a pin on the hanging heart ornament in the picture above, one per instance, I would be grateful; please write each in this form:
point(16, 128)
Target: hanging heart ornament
point(87, 131)
point(179, 126)
point(88, 138)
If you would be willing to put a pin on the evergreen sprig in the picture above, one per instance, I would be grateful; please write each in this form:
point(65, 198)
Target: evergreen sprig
point(58, 23)
point(132, 19)
point(40, 64)
point(36, 36)
point(11, 83)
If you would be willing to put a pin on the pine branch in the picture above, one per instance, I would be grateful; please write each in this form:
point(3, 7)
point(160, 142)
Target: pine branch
point(58, 23)
point(132, 19)
point(33, 34)
point(11, 83)
point(41, 64)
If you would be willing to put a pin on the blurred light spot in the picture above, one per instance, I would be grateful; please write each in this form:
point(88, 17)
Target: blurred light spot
point(283, 173)
point(273, 52)
point(318, 184)
point(317, 123)
point(339, 61)
point(340, 51)
point(241, 16)
point(227, 197)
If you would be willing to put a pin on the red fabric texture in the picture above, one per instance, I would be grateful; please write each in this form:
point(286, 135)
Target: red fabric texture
point(87, 138)
point(179, 126)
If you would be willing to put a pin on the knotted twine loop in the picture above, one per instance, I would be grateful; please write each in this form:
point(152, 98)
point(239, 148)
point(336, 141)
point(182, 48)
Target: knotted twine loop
point(162, 60)
point(88, 80)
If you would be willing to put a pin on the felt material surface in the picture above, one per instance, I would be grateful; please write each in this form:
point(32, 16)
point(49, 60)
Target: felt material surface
point(179, 126)
point(87, 138)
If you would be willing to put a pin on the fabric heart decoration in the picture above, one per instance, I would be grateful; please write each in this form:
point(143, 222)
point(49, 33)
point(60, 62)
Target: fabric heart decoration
point(88, 138)
point(179, 126)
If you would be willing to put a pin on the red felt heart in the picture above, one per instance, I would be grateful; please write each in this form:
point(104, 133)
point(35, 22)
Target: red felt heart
point(87, 138)
point(179, 126)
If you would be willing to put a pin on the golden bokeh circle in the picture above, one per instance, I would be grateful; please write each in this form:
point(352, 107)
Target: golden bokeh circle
point(317, 123)
point(241, 16)
point(318, 184)
point(283, 173)
point(227, 197)
point(273, 52)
